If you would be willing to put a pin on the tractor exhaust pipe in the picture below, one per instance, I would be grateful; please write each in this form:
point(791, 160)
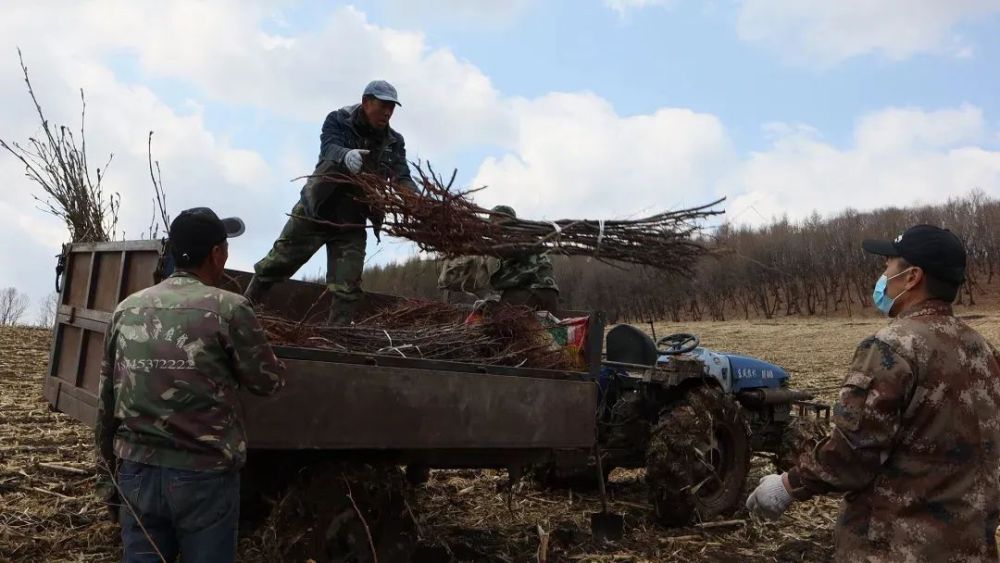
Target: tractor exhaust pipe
point(754, 398)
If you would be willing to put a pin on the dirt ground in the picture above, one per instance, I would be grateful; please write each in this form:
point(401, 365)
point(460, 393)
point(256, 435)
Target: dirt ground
point(48, 513)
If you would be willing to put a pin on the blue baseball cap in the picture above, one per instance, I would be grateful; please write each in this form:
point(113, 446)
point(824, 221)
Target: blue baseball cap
point(383, 91)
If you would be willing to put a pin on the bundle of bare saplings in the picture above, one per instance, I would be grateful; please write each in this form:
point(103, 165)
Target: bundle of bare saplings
point(506, 335)
point(56, 160)
point(448, 222)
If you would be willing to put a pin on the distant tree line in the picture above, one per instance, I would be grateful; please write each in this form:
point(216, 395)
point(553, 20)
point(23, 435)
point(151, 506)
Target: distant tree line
point(14, 304)
point(810, 267)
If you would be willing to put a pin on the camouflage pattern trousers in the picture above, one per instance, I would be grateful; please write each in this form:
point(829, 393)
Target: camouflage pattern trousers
point(301, 238)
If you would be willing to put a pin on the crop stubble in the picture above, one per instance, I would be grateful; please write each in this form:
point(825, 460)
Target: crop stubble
point(48, 512)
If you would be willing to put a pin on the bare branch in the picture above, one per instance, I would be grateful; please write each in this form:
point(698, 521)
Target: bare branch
point(448, 222)
point(60, 168)
point(161, 196)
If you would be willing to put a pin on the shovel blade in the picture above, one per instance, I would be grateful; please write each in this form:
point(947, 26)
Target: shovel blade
point(607, 526)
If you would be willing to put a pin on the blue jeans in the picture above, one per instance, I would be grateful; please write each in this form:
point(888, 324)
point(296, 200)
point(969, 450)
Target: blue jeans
point(192, 513)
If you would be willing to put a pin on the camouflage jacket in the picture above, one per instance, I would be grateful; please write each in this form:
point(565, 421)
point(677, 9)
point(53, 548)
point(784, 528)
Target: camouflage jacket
point(176, 355)
point(915, 444)
point(468, 274)
point(526, 271)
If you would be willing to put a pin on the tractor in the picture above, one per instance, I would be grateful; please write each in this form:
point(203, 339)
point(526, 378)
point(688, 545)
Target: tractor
point(692, 418)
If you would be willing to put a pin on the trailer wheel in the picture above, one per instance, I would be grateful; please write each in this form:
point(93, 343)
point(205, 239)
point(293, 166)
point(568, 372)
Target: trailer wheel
point(339, 512)
point(800, 434)
point(698, 457)
point(627, 430)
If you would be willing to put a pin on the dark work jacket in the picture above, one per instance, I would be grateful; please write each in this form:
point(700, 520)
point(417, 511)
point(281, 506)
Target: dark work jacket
point(346, 129)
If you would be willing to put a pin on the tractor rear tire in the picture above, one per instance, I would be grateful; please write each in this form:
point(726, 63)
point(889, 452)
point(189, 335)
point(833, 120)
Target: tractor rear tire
point(698, 458)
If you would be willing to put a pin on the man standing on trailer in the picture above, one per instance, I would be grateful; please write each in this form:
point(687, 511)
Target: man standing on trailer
point(170, 424)
point(355, 139)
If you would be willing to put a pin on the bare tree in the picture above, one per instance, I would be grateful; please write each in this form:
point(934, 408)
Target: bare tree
point(47, 310)
point(13, 304)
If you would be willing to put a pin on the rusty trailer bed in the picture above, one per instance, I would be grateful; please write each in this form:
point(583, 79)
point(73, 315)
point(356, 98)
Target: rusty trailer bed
point(452, 413)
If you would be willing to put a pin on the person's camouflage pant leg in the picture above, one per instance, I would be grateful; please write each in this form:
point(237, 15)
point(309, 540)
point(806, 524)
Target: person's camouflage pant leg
point(298, 241)
point(345, 251)
point(345, 255)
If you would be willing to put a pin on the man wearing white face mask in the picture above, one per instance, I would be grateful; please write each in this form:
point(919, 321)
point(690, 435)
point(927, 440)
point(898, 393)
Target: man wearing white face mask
point(915, 444)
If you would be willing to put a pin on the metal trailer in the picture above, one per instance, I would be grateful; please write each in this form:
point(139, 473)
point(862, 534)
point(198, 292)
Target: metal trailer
point(407, 410)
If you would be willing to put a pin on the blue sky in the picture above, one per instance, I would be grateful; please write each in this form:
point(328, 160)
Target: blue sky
point(595, 108)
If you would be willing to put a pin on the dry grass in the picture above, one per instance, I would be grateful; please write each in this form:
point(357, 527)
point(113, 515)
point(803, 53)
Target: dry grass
point(50, 515)
point(816, 352)
point(478, 521)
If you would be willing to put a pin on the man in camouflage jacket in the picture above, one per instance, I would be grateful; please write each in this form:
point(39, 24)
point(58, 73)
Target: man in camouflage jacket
point(518, 278)
point(355, 139)
point(170, 422)
point(915, 446)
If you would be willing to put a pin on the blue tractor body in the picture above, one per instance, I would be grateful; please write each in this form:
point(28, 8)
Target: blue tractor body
point(737, 373)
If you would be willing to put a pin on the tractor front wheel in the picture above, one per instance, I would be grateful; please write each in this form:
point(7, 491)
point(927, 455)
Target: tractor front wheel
point(698, 457)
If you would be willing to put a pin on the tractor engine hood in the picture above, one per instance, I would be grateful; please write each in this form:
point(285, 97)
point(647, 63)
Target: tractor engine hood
point(735, 372)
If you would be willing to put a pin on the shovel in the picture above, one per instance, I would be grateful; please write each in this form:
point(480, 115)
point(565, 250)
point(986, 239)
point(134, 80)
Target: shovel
point(605, 525)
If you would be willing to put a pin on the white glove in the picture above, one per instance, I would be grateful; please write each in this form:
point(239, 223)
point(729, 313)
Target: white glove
point(353, 159)
point(770, 499)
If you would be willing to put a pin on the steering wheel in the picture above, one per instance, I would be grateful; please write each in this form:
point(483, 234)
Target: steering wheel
point(678, 343)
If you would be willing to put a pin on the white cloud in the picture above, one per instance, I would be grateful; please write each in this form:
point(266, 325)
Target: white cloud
point(224, 54)
point(830, 31)
point(898, 157)
point(896, 129)
point(574, 155)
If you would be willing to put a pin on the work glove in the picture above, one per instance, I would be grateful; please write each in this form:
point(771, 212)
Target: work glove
point(770, 499)
point(353, 159)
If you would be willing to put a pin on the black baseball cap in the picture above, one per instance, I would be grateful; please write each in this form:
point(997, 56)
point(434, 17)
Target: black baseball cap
point(195, 231)
point(937, 251)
